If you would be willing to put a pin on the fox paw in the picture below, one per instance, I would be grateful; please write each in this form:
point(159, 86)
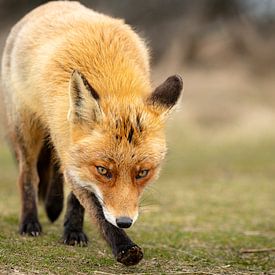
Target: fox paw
point(75, 238)
point(31, 228)
point(130, 256)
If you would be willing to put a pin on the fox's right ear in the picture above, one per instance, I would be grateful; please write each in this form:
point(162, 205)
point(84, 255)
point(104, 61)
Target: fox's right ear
point(84, 100)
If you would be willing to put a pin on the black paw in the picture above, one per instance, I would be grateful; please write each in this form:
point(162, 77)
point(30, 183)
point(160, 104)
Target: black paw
point(31, 228)
point(75, 238)
point(130, 256)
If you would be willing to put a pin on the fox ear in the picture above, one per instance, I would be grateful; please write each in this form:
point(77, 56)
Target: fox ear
point(84, 100)
point(167, 94)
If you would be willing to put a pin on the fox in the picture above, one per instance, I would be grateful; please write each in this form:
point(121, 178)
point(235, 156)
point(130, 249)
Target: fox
point(80, 111)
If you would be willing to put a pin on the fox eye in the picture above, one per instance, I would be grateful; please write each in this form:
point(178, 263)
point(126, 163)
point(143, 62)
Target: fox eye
point(142, 174)
point(103, 171)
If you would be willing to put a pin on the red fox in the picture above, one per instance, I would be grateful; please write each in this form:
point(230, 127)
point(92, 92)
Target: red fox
point(80, 109)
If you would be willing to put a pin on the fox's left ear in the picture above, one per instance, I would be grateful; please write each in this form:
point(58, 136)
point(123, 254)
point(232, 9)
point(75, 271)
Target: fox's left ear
point(84, 100)
point(167, 94)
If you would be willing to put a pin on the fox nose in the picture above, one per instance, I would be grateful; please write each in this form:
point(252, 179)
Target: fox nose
point(124, 222)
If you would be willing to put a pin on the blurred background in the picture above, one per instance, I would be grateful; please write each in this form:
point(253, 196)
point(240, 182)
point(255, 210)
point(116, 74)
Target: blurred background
point(223, 48)
point(221, 139)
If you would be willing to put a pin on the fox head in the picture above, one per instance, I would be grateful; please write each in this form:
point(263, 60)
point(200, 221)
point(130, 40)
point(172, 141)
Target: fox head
point(117, 144)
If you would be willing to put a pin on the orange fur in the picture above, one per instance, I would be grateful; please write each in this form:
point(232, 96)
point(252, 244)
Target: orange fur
point(121, 131)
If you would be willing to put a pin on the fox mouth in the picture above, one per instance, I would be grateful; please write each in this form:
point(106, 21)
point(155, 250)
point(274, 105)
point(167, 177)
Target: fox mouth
point(121, 222)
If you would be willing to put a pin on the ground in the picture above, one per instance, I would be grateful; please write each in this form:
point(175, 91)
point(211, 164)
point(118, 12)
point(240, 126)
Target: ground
point(213, 203)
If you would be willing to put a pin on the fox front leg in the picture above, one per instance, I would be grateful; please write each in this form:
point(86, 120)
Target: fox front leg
point(73, 223)
point(125, 251)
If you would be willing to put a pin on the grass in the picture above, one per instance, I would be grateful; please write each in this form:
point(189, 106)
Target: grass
point(214, 199)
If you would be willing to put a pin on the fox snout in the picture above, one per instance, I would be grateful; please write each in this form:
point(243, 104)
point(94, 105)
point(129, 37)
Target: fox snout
point(118, 209)
point(120, 220)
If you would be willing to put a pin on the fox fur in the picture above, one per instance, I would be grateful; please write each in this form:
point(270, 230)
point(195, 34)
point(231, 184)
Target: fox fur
point(80, 81)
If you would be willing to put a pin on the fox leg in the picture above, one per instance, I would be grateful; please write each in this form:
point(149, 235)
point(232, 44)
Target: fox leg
point(73, 224)
point(27, 141)
point(122, 246)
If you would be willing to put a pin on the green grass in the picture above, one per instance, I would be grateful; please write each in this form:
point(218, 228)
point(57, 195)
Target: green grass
point(215, 197)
